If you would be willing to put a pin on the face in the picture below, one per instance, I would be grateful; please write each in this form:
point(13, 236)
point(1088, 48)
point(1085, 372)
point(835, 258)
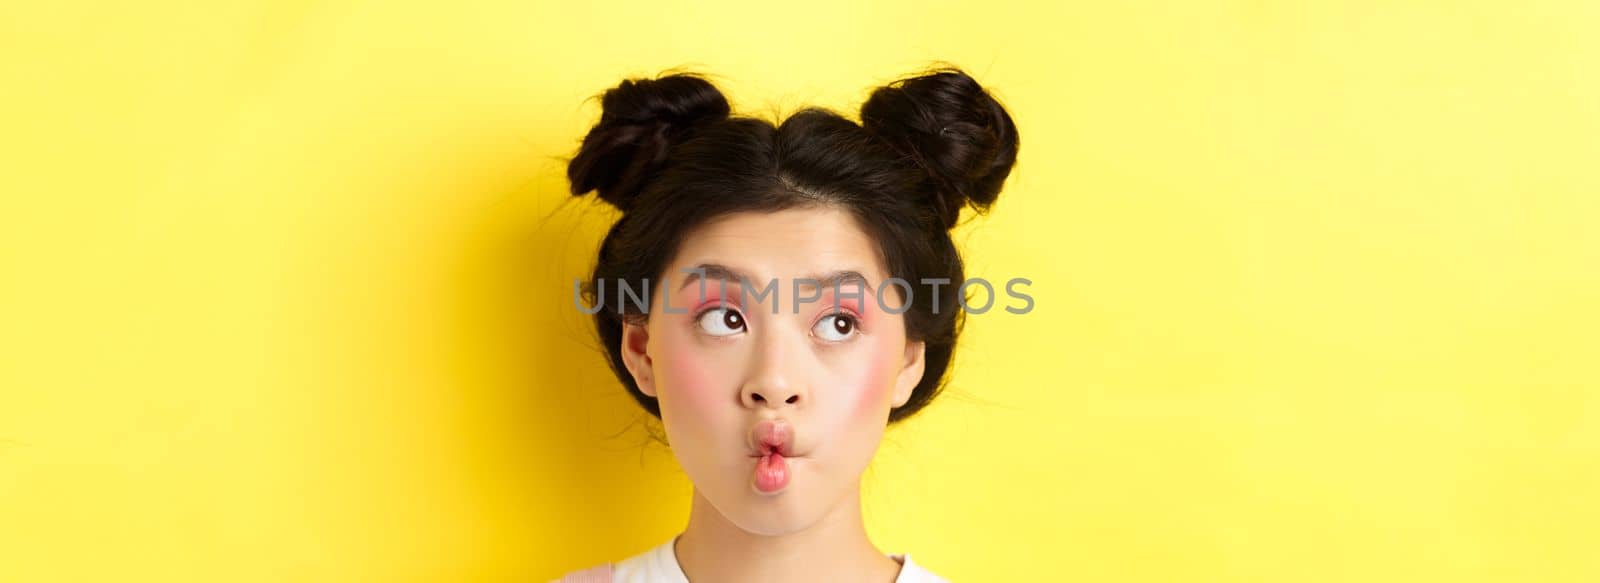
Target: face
point(774, 416)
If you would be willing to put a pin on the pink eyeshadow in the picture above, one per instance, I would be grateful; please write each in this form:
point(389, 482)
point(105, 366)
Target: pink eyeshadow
point(714, 294)
point(854, 304)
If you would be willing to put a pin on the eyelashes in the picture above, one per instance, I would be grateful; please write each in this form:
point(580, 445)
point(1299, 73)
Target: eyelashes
point(720, 321)
point(836, 327)
point(724, 321)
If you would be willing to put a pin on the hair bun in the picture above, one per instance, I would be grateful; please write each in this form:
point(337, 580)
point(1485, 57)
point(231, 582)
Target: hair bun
point(954, 129)
point(641, 120)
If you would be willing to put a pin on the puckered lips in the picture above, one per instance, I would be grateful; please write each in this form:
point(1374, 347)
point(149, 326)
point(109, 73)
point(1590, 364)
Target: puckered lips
point(771, 441)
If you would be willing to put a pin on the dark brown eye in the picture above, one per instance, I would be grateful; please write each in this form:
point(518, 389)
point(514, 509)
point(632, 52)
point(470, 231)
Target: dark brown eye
point(721, 322)
point(836, 327)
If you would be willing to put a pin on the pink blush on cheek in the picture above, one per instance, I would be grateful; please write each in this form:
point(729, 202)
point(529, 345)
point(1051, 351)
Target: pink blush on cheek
point(882, 358)
point(871, 401)
point(691, 376)
point(876, 380)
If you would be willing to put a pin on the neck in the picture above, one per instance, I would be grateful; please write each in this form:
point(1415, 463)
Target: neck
point(714, 550)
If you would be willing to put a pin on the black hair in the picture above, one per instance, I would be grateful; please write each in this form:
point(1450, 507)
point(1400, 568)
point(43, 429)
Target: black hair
point(668, 154)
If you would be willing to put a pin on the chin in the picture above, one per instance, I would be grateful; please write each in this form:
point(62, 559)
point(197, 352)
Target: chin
point(772, 521)
point(791, 510)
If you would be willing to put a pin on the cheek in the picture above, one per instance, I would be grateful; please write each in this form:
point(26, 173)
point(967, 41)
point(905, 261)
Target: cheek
point(872, 401)
point(696, 380)
point(883, 352)
point(689, 377)
point(877, 378)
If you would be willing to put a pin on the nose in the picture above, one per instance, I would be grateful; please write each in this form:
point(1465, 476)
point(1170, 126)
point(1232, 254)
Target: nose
point(770, 396)
point(775, 380)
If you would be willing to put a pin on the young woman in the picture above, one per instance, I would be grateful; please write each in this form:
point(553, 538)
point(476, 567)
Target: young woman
point(777, 294)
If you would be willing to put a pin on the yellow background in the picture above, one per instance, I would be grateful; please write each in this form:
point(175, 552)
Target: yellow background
point(285, 289)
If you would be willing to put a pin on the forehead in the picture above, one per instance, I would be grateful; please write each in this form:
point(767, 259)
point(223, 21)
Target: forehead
point(796, 242)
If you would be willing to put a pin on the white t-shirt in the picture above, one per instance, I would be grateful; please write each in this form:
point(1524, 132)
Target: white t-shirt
point(660, 565)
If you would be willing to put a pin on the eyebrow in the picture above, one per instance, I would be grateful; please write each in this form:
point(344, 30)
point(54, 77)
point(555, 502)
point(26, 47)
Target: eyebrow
point(727, 274)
